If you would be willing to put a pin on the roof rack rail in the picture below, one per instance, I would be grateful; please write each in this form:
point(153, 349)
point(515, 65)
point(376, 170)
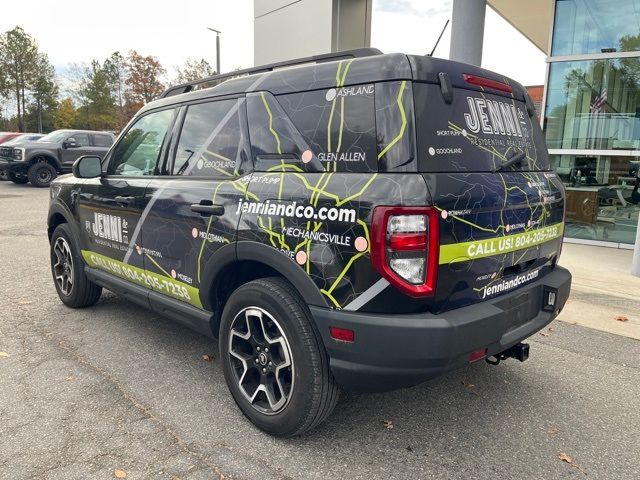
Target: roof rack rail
point(326, 57)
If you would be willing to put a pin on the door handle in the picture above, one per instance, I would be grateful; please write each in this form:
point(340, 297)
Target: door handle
point(125, 200)
point(207, 210)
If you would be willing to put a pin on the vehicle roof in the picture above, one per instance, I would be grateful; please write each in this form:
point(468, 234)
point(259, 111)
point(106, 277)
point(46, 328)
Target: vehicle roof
point(361, 70)
point(83, 131)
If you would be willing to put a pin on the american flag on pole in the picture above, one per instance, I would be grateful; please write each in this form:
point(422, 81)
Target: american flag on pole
point(600, 101)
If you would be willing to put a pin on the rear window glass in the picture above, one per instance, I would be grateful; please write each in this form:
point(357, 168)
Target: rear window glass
point(477, 132)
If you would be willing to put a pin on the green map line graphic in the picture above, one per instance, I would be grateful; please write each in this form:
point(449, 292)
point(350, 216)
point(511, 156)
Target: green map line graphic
point(404, 121)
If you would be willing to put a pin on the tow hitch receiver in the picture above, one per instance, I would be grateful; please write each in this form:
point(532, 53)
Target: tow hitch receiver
point(519, 351)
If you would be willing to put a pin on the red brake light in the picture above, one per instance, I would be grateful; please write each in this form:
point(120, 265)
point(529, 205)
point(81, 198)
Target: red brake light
point(405, 246)
point(487, 82)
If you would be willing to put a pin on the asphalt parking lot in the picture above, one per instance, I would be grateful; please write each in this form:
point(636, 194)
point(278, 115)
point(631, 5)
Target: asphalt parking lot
point(84, 393)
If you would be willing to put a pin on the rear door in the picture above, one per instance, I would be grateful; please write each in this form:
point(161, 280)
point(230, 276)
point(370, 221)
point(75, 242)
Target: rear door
point(193, 208)
point(500, 226)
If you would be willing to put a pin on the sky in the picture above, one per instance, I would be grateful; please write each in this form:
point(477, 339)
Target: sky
point(77, 31)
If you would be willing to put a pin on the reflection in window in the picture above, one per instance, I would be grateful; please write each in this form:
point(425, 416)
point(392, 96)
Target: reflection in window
point(594, 105)
point(602, 196)
point(212, 142)
point(138, 151)
point(596, 26)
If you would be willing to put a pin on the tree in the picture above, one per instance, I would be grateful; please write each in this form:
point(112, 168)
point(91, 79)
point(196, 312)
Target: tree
point(44, 92)
point(66, 116)
point(144, 81)
point(194, 70)
point(18, 62)
point(116, 68)
point(97, 110)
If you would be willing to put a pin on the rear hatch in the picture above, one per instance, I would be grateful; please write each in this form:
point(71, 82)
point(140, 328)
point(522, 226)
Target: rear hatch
point(484, 159)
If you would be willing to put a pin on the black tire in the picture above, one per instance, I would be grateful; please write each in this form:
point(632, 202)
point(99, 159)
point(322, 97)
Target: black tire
point(313, 392)
point(81, 292)
point(41, 174)
point(18, 179)
point(3, 175)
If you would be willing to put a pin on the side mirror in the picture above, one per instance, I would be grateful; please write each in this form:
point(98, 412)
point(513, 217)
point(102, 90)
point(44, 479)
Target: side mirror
point(70, 143)
point(88, 166)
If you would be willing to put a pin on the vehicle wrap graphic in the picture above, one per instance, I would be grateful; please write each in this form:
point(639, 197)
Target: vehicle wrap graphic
point(161, 283)
point(325, 154)
point(335, 254)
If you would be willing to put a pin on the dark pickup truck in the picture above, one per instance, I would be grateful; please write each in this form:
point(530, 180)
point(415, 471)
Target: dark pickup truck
point(41, 161)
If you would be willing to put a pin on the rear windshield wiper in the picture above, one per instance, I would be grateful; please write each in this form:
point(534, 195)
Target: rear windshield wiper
point(515, 160)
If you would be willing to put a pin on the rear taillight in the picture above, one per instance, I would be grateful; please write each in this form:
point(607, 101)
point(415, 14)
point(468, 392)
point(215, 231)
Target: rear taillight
point(404, 247)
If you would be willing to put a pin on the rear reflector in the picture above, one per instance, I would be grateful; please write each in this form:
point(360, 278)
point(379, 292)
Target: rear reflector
point(477, 355)
point(487, 82)
point(408, 241)
point(342, 334)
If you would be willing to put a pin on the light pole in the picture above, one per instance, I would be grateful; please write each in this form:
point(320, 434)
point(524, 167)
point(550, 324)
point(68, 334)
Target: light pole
point(218, 32)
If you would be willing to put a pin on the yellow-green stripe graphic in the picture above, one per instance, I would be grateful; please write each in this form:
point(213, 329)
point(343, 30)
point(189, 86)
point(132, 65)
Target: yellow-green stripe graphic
point(160, 283)
point(465, 251)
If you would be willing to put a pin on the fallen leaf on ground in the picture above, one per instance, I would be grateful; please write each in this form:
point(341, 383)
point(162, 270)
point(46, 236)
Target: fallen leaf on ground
point(622, 318)
point(544, 334)
point(551, 329)
point(468, 385)
point(552, 431)
point(24, 301)
point(4, 354)
point(120, 473)
point(70, 378)
point(207, 358)
point(388, 424)
point(565, 458)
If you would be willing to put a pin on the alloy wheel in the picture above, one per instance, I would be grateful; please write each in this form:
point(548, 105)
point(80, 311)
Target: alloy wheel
point(63, 268)
point(261, 360)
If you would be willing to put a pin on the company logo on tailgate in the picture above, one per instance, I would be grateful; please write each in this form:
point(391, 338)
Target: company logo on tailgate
point(494, 118)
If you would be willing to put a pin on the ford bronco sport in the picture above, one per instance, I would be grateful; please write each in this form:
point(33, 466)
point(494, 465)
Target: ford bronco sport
point(40, 161)
point(356, 220)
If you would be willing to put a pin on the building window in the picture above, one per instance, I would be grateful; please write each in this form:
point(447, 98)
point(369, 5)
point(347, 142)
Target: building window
point(596, 26)
point(594, 104)
point(602, 196)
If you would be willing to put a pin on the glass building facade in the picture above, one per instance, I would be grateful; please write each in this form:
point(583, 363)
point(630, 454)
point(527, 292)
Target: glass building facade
point(592, 116)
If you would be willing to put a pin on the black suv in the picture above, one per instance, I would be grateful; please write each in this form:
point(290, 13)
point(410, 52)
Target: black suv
point(359, 220)
point(40, 161)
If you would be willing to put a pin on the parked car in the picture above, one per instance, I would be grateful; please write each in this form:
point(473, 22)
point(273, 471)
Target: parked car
point(15, 139)
point(5, 136)
point(23, 137)
point(39, 162)
point(362, 221)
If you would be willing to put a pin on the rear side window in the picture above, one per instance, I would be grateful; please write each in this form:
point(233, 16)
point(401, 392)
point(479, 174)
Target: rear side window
point(213, 142)
point(338, 124)
point(102, 141)
point(81, 139)
point(477, 132)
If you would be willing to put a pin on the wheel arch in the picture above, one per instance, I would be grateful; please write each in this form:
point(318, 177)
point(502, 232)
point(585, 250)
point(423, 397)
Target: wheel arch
point(236, 264)
point(46, 156)
point(59, 214)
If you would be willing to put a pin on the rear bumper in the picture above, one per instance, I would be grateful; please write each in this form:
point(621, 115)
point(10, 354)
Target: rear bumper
point(391, 352)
